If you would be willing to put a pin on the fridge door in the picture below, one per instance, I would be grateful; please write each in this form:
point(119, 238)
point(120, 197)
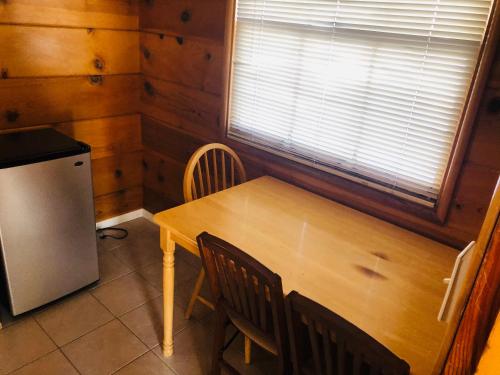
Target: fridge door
point(47, 230)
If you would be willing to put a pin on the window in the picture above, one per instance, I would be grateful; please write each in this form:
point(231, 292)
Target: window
point(372, 90)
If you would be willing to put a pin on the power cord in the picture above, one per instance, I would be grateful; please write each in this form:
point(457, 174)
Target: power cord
point(102, 233)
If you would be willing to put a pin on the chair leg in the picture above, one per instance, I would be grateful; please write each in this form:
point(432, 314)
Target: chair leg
point(248, 350)
point(219, 338)
point(195, 294)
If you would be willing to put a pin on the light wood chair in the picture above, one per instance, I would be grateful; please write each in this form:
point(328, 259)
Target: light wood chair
point(247, 295)
point(324, 343)
point(212, 168)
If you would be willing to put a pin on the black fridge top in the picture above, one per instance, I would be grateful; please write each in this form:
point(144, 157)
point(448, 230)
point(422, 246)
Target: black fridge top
point(33, 146)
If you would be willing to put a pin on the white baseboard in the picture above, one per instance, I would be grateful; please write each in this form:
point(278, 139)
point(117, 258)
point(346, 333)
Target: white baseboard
point(141, 212)
point(147, 215)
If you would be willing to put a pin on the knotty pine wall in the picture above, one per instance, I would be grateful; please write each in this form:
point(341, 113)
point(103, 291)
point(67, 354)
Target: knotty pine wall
point(181, 56)
point(74, 65)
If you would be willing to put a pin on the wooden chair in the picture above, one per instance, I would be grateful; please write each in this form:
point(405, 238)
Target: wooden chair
point(323, 343)
point(247, 295)
point(212, 168)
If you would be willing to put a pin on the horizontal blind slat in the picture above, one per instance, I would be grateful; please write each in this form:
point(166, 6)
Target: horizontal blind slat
point(371, 87)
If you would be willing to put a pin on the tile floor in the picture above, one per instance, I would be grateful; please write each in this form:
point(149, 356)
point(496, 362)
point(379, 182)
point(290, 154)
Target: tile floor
point(115, 327)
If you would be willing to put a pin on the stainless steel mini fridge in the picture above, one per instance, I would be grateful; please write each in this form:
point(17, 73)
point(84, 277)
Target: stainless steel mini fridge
point(47, 223)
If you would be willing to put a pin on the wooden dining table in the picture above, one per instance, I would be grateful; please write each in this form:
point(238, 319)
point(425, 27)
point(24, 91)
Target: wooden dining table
point(386, 280)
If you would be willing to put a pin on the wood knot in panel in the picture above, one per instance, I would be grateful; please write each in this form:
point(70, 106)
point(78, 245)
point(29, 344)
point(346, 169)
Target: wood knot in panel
point(118, 173)
point(98, 63)
point(148, 87)
point(96, 80)
point(4, 73)
point(186, 16)
point(494, 105)
point(12, 115)
point(180, 40)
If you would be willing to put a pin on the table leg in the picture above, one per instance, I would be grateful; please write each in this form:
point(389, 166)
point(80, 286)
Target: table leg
point(168, 247)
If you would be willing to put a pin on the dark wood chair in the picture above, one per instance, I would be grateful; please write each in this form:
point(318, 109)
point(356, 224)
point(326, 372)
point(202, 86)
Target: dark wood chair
point(323, 343)
point(247, 295)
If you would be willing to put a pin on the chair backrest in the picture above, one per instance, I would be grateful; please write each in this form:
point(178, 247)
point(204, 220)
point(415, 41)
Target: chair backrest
point(322, 342)
point(212, 168)
point(247, 290)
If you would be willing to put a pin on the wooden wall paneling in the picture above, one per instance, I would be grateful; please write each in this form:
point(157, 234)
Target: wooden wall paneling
point(35, 101)
point(168, 141)
point(163, 175)
point(110, 14)
point(31, 51)
point(485, 141)
point(182, 107)
point(483, 303)
point(107, 136)
point(185, 17)
point(474, 188)
point(117, 172)
point(494, 81)
point(117, 203)
point(155, 202)
point(74, 65)
point(194, 62)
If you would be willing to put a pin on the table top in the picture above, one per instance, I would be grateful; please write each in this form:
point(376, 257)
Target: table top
point(386, 280)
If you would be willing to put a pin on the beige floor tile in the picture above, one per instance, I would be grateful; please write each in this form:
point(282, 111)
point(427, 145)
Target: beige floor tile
point(54, 363)
point(146, 322)
point(137, 229)
point(138, 253)
point(110, 267)
point(104, 350)
point(192, 351)
point(22, 343)
point(148, 364)
point(126, 293)
point(154, 272)
point(66, 321)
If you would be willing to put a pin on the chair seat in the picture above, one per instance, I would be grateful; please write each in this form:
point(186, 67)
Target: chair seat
point(264, 341)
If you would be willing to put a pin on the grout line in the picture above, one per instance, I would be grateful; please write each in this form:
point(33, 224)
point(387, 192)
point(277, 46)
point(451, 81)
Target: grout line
point(33, 361)
point(139, 356)
point(128, 363)
point(162, 361)
point(57, 346)
point(69, 360)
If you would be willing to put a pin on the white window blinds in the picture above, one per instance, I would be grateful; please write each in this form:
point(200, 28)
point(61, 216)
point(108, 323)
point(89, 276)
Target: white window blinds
point(372, 90)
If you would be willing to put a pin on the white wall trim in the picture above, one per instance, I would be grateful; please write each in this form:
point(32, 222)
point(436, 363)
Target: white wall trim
point(141, 212)
point(147, 215)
